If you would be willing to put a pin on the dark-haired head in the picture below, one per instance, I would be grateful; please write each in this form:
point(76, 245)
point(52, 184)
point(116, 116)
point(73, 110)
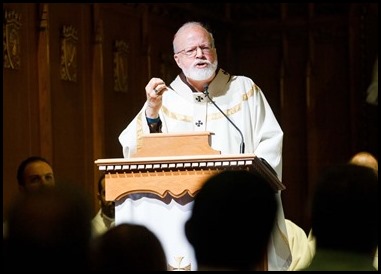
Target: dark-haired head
point(34, 172)
point(232, 220)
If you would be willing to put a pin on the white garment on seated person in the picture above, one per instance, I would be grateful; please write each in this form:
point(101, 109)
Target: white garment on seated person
point(302, 252)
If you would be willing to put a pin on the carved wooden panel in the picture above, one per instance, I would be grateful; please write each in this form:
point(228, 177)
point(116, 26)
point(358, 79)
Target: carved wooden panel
point(69, 45)
point(121, 66)
point(11, 39)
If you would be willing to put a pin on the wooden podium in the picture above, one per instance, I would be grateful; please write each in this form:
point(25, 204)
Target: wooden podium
point(189, 161)
point(173, 167)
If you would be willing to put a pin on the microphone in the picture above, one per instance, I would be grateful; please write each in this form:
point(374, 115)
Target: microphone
point(242, 145)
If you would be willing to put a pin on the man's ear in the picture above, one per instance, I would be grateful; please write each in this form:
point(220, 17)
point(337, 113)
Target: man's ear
point(177, 60)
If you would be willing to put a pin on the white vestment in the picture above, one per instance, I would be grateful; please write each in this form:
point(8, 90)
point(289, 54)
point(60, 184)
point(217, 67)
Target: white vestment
point(186, 111)
point(101, 223)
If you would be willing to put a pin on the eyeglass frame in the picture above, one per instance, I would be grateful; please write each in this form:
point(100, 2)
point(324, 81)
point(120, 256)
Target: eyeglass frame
point(192, 51)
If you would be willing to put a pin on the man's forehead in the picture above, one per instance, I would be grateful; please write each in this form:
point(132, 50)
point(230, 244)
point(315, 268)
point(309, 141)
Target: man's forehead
point(38, 168)
point(40, 173)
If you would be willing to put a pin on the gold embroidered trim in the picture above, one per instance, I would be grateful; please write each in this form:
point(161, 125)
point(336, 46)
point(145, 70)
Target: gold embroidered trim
point(214, 116)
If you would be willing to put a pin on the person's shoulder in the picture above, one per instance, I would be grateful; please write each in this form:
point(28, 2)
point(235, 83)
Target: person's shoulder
point(98, 216)
point(236, 77)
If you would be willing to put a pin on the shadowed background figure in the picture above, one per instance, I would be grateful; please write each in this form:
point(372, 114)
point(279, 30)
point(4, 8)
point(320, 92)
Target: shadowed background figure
point(362, 158)
point(344, 206)
point(33, 173)
point(50, 228)
point(105, 217)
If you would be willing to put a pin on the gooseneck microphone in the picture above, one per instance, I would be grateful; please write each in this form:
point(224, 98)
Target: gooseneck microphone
point(242, 145)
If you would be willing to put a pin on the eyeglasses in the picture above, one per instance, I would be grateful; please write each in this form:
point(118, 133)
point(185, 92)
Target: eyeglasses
point(192, 51)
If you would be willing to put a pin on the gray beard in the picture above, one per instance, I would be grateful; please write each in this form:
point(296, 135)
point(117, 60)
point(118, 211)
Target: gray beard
point(201, 74)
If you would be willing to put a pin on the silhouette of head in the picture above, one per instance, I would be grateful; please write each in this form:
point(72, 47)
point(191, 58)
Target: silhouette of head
point(50, 227)
point(364, 158)
point(129, 247)
point(344, 207)
point(232, 219)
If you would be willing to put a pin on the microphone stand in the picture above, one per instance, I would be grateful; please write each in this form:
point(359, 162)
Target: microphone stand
point(242, 145)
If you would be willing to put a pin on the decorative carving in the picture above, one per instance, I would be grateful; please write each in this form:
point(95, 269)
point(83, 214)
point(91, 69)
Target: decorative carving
point(11, 39)
point(120, 66)
point(179, 266)
point(69, 53)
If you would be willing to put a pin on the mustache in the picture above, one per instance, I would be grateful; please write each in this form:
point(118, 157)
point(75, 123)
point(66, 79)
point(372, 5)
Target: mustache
point(201, 62)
